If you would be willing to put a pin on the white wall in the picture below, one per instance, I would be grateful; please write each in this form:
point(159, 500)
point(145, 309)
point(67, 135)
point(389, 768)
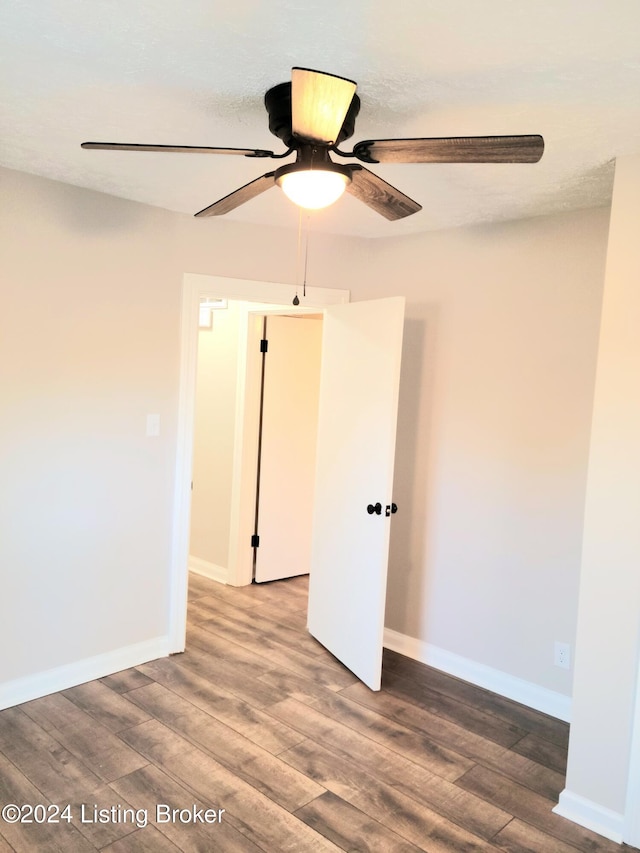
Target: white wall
point(607, 657)
point(88, 342)
point(213, 439)
point(494, 420)
point(493, 434)
point(89, 345)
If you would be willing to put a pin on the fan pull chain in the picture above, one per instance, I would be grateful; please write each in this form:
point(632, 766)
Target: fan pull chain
point(306, 257)
point(296, 300)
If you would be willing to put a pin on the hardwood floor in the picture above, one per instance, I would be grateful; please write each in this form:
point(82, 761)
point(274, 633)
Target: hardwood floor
point(287, 751)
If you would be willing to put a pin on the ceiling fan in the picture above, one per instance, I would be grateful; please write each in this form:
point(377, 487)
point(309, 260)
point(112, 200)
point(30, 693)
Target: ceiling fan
point(312, 115)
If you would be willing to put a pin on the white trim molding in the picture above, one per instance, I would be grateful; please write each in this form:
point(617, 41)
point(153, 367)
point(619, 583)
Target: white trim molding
point(207, 570)
point(548, 701)
point(62, 677)
point(592, 816)
point(632, 806)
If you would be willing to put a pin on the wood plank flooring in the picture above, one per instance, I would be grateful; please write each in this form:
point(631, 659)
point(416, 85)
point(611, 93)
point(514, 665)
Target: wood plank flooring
point(257, 723)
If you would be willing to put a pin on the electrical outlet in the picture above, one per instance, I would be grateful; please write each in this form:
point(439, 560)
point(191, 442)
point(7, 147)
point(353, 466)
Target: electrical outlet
point(562, 655)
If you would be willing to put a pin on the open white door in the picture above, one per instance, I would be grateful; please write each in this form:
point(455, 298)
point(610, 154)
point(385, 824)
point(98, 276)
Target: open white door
point(359, 382)
point(288, 446)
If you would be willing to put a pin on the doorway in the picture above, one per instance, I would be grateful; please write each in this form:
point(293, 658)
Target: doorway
point(196, 287)
point(279, 420)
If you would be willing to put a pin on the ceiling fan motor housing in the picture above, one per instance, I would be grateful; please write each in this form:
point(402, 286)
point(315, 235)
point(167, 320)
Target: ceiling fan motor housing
point(278, 103)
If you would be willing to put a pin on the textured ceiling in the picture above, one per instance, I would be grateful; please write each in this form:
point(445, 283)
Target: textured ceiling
point(194, 73)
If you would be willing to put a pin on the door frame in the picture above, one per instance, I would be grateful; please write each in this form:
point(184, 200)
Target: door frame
point(194, 287)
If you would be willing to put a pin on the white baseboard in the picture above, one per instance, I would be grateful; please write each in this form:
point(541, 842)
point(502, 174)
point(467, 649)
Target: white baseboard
point(207, 570)
point(548, 701)
point(62, 677)
point(586, 813)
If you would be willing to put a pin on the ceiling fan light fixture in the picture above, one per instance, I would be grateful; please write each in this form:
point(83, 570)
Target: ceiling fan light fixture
point(312, 115)
point(313, 188)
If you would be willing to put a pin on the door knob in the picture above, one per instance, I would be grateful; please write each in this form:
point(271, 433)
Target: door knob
point(377, 509)
point(391, 509)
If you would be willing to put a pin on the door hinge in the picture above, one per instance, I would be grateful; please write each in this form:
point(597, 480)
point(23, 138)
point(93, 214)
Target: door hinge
point(264, 345)
point(255, 541)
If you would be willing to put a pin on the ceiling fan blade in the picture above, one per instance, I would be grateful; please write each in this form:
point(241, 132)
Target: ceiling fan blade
point(239, 196)
point(380, 195)
point(461, 149)
point(180, 149)
point(319, 104)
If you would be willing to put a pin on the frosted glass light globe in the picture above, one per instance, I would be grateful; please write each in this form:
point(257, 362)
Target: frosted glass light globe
point(313, 188)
